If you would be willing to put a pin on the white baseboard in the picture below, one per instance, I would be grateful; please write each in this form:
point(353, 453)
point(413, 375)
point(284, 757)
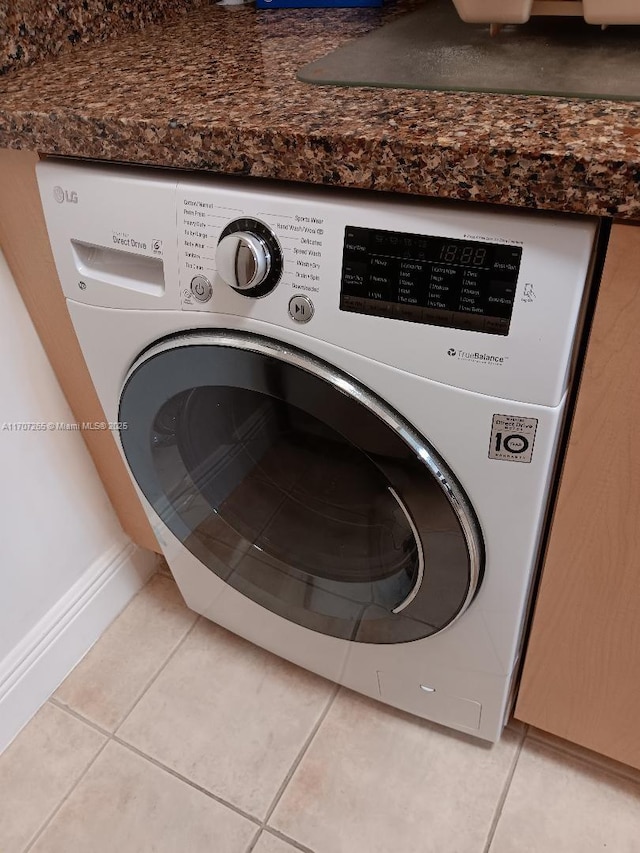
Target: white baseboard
point(31, 672)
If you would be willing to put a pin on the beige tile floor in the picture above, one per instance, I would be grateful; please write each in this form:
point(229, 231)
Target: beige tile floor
point(174, 736)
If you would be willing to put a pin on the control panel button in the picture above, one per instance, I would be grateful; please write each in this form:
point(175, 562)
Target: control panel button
point(301, 309)
point(201, 288)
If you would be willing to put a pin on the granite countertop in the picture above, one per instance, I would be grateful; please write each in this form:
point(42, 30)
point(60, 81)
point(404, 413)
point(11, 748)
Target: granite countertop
point(216, 89)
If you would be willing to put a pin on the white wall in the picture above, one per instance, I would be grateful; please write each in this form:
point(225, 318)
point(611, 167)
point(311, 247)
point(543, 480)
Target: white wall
point(59, 535)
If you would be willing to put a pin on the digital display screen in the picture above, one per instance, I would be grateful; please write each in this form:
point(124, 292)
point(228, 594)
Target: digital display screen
point(460, 284)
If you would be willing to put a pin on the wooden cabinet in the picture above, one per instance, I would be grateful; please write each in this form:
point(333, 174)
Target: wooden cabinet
point(581, 677)
point(582, 668)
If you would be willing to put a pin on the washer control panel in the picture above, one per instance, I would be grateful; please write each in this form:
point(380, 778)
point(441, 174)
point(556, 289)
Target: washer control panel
point(471, 296)
point(254, 251)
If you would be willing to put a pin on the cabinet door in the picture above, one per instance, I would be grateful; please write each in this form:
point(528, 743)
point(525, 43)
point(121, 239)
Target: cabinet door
point(581, 677)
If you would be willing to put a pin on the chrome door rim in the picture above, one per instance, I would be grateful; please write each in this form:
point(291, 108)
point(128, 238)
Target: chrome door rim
point(361, 394)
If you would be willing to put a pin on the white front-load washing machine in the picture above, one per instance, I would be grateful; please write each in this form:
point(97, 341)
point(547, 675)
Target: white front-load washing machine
point(341, 411)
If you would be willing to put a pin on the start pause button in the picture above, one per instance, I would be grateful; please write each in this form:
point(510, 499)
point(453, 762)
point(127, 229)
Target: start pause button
point(301, 309)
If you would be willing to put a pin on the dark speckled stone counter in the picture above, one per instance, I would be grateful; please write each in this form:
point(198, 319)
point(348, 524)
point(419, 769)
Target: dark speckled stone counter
point(31, 29)
point(217, 90)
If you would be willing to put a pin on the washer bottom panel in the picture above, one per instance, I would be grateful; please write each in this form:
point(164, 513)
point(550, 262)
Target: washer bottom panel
point(470, 700)
point(427, 700)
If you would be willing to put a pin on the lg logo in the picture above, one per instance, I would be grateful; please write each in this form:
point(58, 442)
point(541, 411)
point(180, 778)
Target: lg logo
point(61, 195)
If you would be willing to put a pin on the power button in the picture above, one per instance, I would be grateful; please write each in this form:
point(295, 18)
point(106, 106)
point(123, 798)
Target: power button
point(201, 288)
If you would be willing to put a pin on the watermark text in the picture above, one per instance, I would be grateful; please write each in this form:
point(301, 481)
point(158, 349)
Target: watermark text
point(61, 426)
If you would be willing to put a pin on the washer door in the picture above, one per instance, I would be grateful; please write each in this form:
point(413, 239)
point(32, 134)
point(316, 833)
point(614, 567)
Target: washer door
point(299, 487)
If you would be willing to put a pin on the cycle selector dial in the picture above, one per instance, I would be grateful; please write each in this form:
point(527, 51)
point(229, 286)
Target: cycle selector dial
point(249, 257)
point(243, 260)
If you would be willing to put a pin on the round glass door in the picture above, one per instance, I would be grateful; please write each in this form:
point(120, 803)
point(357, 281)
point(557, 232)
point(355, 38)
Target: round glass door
point(299, 487)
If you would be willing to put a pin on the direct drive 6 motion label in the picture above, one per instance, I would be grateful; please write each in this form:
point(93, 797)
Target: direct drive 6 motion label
point(512, 438)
